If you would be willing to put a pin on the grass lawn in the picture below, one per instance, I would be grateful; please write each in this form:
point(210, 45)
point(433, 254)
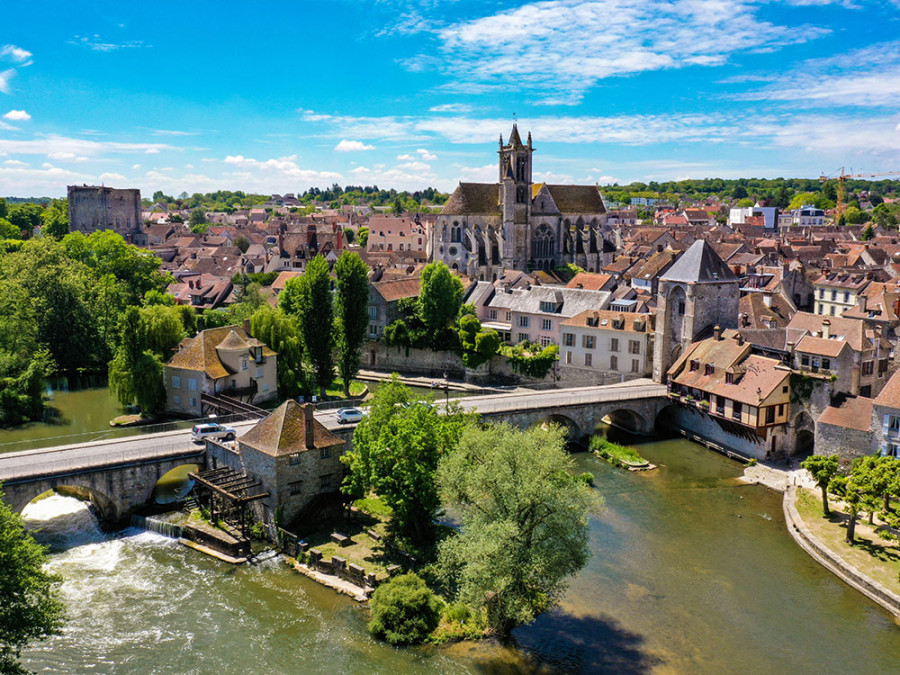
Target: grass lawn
point(336, 390)
point(873, 556)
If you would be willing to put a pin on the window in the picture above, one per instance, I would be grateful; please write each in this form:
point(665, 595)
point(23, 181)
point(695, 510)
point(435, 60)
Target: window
point(373, 313)
point(831, 310)
point(176, 382)
point(294, 459)
point(193, 402)
point(821, 294)
point(820, 308)
point(243, 363)
point(296, 487)
point(694, 365)
point(635, 365)
point(324, 453)
point(373, 330)
point(681, 306)
point(736, 410)
point(545, 341)
point(265, 387)
point(634, 347)
point(546, 324)
point(613, 362)
point(868, 367)
point(176, 399)
point(259, 371)
point(523, 337)
point(882, 367)
point(826, 363)
point(833, 295)
point(325, 481)
point(846, 296)
point(729, 378)
point(492, 314)
point(770, 414)
point(568, 358)
point(192, 384)
point(614, 344)
point(588, 358)
point(804, 360)
point(548, 307)
point(523, 322)
point(569, 339)
point(720, 405)
point(709, 369)
point(781, 409)
point(587, 341)
point(509, 316)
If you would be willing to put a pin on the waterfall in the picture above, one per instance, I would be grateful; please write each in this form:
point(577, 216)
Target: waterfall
point(62, 522)
point(151, 524)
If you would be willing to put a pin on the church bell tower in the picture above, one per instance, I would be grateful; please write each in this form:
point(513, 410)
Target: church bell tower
point(515, 195)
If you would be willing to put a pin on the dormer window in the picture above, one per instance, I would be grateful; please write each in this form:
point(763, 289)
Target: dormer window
point(695, 365)
point(709, 369)
point(729, 378)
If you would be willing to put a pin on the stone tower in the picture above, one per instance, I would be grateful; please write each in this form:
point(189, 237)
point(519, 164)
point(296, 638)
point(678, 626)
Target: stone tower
point(697, 293)
point(515, 195)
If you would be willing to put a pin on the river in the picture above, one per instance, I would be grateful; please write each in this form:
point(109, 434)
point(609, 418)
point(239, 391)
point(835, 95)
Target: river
point(690, 572)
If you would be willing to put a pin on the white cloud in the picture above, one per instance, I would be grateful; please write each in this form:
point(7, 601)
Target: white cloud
point(16, 55)
point(15, 162)
point(45, 145)
point(188, 166)
point(561, 48)
point(94, 43)
point(17, 115)
point(5, 77)
point(426, 155)
point(70, 156)
point(352, 146)
point(863, 77)
point(106, 177)
point(135, 167)
point(477, 174)
point(451, 108)
point(276, 171)
point(173, 132)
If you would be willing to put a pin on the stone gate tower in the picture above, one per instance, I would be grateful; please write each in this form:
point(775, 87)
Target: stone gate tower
point(697, 293)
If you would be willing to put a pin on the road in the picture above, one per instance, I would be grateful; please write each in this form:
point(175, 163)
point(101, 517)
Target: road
point(166, 444)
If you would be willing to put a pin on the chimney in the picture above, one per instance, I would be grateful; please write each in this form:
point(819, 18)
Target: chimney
point(740, 340)
point(767, 299)
point(309, 425)
point(863, 303)
point(247, 326)
point(826, 329)
point(717, 333)
point(745, 319)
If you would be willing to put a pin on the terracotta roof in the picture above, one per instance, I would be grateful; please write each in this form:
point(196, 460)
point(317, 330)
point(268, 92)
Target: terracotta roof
point(474, 198)
point(397, 289)
point(199, 352)
point(631, 322)
point(890, 394)
point(283, 432)
point(821, 346)
point(591, 282)
point(852, 330)
point(854, 413)
point(283, 278)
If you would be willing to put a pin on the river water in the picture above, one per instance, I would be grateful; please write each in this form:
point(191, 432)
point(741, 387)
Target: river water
point(691, 572)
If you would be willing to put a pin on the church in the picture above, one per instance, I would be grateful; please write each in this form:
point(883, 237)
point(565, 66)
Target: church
point(516, 224)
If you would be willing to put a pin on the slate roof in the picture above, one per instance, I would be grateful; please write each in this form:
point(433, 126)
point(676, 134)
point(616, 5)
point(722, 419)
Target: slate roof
point(577, 198)
point(283, 432)
point(474, 198)
point(699, 264)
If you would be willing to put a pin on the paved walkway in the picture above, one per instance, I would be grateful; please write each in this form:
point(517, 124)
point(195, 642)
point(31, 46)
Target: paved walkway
point(778, 476)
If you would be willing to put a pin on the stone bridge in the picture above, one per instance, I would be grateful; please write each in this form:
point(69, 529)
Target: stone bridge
point(633, 406)
point(114, 482)
point(120, 475)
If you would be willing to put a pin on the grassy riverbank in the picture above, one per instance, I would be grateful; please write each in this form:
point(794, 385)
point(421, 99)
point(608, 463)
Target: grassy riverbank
point(620, 455)
point(872, 554)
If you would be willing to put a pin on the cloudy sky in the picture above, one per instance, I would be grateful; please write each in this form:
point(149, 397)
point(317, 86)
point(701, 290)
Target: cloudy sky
point(279, 96)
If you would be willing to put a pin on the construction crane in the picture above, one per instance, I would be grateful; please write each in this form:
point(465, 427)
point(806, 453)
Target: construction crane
point(841, 189)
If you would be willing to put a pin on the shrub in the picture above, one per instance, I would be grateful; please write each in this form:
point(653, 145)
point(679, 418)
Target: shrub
point(752, 462)
point(404, 611)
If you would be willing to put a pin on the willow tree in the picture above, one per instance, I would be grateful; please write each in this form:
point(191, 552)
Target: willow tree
point(524, 521)
point(136, 373)
point(352, 316)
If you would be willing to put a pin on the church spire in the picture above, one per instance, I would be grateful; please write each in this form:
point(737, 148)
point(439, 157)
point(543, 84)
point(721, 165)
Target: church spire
point(514, 139)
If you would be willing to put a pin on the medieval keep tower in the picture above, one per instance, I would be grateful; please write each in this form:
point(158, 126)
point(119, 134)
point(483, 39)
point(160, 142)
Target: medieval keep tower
point(697, 293)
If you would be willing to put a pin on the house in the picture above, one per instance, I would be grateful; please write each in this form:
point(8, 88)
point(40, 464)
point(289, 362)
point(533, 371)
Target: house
point(603, 346)
point(383, 299)
point(219, 361)
point(836, 292)
point(294, 457)
point(388, 233)
point(738, 399)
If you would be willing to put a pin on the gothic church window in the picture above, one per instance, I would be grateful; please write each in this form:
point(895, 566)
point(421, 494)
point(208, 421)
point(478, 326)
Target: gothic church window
point(542, 243)
point(520, 194)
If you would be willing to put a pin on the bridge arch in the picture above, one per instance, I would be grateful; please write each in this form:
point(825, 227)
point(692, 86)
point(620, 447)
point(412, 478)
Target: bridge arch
point(103, 506)
point(628, 420)
point(574, 433)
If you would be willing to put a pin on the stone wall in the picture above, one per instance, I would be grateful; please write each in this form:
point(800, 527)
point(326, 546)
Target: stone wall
point(695, 422)
point(846, 443)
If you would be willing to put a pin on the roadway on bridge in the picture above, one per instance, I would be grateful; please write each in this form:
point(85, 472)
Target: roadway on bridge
point(148, 447)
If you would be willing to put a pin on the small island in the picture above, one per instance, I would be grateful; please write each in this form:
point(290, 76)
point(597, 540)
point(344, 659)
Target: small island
point(619, 455)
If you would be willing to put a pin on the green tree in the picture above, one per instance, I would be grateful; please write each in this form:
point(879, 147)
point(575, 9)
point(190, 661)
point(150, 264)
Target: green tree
point(55, 219)
point(867, 234)
point(404, 611)
point(162, 329)
point(851, 489)
point(30, 608)
point(396, 450)
point(242, 243)
point(136, 373)
point(308, 297)
point(197, 217)
point(280, 332)
point(740, 192)
point(351, 304)
point(478, 345)
point(349, 235)
point(524, 521)
point(822, 468)
point(362, 236)
point(440, 297)
point(8, 230)
point(25, 216)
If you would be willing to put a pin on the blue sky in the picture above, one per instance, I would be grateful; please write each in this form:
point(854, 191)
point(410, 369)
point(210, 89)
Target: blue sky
point(279, 96)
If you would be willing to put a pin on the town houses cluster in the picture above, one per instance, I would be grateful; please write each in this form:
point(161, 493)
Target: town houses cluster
point(775, 331)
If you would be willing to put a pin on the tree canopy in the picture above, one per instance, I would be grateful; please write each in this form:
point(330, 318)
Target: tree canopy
point(352, 313)
point(524, 521)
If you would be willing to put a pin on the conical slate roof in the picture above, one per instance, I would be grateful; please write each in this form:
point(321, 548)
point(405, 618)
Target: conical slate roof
point(699, 264)
point(514, 138)
point(232, 343)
